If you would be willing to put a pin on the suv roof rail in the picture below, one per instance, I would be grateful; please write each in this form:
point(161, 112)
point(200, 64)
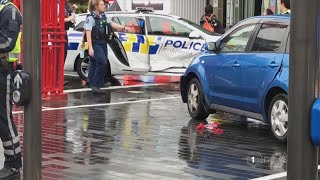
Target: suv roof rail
point(144, 9)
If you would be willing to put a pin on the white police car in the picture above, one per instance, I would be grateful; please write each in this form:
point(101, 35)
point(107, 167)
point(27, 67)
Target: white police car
point(160, 44)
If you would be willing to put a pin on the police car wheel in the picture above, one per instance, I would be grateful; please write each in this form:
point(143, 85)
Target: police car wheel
point(195, 100)
point(278, 116)
point(82, 67)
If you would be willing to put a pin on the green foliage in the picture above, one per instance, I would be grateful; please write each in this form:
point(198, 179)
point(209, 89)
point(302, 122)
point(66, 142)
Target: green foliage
point(82, 9)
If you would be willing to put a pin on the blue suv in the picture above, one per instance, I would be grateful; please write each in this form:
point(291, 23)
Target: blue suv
point(245, 72)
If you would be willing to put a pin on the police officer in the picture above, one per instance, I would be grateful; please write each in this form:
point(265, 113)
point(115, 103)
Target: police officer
point(68, 23)
point(10, 23)
point(98, 30)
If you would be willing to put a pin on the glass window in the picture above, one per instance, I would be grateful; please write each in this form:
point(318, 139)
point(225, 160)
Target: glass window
point(163, 26)
point(80, 26)
point(116, 20)
point(269, 38)
point(238, 40)
point(142, 25)
point(131, 22)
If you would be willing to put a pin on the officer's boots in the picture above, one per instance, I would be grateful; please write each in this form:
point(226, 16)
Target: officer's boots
point(9, 173)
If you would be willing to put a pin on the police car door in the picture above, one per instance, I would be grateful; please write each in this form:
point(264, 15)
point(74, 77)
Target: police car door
point(134, 43)
point(170, 47)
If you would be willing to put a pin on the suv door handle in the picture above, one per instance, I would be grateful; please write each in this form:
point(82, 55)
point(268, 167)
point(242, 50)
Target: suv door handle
point(273, 64)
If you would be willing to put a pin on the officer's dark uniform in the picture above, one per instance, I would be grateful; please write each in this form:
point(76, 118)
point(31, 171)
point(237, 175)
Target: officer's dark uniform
point(100, 34)
point(10, 22)
point(67, 25)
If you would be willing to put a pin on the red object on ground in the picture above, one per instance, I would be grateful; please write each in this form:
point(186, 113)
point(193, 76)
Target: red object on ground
point(216, 124)
point(217, 131)
point(200, 126)
point(214, 127)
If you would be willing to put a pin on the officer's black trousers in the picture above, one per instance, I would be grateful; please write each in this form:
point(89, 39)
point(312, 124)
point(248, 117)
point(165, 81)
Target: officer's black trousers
point(66, 46)
point(8, 131)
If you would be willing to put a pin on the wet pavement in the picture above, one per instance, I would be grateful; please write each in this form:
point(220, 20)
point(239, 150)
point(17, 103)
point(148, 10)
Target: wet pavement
point(145, 132)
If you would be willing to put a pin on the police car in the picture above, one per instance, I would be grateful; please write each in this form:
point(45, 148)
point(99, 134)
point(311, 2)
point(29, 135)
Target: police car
point(158, 43)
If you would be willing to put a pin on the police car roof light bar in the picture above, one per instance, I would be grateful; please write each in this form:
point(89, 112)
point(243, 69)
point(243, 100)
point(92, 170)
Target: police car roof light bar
point(144, 9)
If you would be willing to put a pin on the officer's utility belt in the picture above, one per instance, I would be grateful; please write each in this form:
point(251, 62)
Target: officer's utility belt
point(105, 39)
point(4, 55)
point(100, 41)
point(4, 60)
point(11, 57)
point(4, 64)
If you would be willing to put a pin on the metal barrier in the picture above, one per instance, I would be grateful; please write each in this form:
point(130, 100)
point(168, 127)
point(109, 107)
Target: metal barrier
point(53, 42)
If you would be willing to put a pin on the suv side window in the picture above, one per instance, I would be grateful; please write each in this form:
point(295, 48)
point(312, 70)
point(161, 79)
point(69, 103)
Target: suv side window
point(131, 22)
point(237, 41)
point(162, 26)
point(269, 38)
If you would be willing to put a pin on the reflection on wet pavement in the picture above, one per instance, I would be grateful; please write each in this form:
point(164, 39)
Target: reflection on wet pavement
point(126, 80)
point(146, 133)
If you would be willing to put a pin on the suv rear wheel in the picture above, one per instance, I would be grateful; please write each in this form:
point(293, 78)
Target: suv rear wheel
point(278, 116)
point(195, 100)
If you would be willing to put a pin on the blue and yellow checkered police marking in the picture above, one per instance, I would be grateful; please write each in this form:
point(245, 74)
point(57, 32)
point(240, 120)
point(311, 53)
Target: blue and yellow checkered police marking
point(139, 43)
point(153, 46)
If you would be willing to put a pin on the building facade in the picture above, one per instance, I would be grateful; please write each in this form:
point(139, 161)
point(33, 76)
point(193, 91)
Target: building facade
point(231, 12)
point(188, 9)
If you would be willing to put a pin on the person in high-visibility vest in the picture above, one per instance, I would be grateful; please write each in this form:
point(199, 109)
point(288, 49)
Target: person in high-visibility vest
point(10, 23)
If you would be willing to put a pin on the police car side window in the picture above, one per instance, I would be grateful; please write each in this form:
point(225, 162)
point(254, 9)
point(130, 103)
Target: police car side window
point(131, 22)
point(163, 26)
point(116, 20)
point(237, 41)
